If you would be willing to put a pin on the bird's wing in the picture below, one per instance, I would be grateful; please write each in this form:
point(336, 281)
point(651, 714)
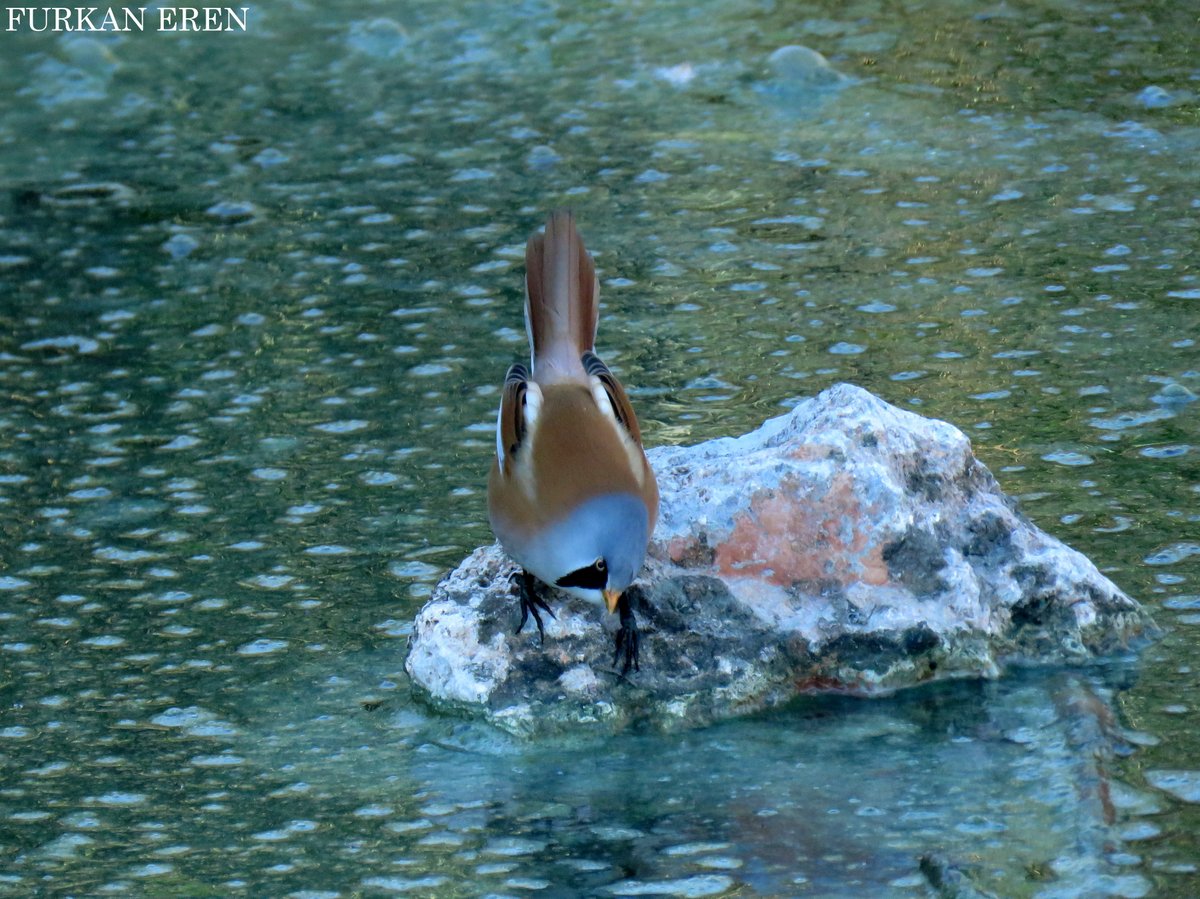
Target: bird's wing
point(518, 410)
point(618, 401)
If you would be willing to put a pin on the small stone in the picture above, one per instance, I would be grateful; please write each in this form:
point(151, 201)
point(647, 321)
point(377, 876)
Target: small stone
point(798, 68)
point(1155, 97)
point(799, 80)
point(1174, 394)
point(381, 38)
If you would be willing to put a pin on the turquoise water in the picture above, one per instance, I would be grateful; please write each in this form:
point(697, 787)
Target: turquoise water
point(258, 292)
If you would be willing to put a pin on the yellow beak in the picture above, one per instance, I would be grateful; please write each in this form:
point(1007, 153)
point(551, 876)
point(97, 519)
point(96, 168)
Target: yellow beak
point(611, 598)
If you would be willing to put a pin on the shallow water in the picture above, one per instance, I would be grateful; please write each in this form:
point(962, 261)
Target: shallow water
point(259, 291)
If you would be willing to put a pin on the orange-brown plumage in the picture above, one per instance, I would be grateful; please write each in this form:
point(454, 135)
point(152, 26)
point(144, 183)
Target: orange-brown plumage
point(586, 446)
point(571, 496)
point(562, 298)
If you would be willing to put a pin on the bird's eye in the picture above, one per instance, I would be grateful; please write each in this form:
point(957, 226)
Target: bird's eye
point(601, 565)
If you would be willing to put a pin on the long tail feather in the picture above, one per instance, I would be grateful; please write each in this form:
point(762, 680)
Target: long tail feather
point(561, 299)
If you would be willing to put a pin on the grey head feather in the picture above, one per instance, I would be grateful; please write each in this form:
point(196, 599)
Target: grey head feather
point(612, 527)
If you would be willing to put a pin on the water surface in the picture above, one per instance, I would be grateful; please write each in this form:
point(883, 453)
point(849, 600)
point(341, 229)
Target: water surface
point(258, 294)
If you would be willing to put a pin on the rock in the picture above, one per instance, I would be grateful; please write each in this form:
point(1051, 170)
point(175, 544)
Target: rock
point(1155, 97)
point(848, 545)
point(382, 38)
point(800, 68)
point(799, 79)
point(1174, 396)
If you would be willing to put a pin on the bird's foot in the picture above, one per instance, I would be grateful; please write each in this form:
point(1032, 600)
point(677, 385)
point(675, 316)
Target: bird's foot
point(531, 602)
point(627, 639)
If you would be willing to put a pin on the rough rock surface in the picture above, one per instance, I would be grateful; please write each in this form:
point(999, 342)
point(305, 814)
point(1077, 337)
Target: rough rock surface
point(848, 545)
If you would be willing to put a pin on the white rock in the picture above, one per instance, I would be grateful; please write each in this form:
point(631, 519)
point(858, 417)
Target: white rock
point(848, 545)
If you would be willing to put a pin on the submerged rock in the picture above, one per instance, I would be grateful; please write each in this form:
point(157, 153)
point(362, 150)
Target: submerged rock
point(382, 38)
point(799, 79)
point(799, 68)
point(848, 546)
point(1155, 97)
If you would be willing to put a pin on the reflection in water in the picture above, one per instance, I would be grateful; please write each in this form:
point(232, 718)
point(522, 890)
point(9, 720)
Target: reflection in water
point(255, 306)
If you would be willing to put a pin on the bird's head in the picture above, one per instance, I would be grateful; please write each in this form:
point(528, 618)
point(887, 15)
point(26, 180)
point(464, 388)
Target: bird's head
point(601, 546)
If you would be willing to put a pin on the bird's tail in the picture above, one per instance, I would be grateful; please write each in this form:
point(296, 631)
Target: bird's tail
point(561, 299)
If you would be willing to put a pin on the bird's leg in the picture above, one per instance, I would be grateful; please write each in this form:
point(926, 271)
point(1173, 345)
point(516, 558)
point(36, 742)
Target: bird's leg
point(627, 637)
point(531, 601)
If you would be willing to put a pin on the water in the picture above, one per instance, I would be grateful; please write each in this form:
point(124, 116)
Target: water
point(258, 294)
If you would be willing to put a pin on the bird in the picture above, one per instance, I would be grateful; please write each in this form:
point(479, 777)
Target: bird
point(571, 496)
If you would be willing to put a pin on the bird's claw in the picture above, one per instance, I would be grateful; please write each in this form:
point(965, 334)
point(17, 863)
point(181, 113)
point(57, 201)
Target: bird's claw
point(627, 644)
point(531, 603)
point(627, 639)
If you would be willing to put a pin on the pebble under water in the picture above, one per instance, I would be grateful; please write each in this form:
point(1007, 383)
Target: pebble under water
point(257, 295)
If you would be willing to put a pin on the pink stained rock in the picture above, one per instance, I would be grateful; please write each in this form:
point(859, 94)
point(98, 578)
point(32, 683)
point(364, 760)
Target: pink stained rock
point(846, 545)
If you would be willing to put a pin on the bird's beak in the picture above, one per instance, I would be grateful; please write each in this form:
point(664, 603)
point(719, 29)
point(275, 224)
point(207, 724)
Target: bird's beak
point(611, 598)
